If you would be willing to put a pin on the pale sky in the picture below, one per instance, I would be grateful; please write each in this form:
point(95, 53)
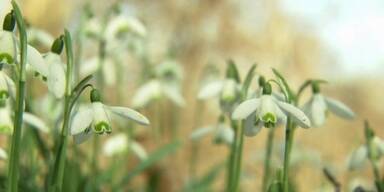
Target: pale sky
point(352, 30)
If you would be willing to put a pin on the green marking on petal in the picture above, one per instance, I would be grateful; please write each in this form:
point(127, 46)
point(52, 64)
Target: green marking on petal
point(102, 127)
point(6, 58)
point(6, 129)
point(269, 120)
point(4, 94)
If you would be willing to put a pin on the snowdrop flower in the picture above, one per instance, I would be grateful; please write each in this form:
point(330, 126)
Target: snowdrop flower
point(318, 106)
point(39, 37)
point(223, 134)
point(96, 118)
point(108, 69)
point(9, 46)
point(120, 144)
point(121, 25)
point(156, 89)
point(359, 157)
point(7, 86)
point(267, 111)
point(227, 90)
point(6, 122)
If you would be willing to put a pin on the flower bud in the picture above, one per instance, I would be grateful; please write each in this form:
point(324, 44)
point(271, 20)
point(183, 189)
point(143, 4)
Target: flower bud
point(95, 96)
point(232, 72)
point(267, 89)
point(261, 81)
point(9, 22)
point(315, 87)
point(58, 45)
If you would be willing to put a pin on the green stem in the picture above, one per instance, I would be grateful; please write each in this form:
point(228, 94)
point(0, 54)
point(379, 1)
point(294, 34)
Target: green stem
point(13, 170)
point(289, 133)
point(238, 156)
point(232, 158)
point(59, 166)
point(267, 160)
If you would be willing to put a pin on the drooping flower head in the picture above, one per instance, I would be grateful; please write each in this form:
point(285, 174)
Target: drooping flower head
point(227, 90)
point(318, 106)
point(267, 111)
point(95, 118)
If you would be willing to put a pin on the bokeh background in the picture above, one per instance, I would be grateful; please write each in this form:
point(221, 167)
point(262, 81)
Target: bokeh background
point(339, 41)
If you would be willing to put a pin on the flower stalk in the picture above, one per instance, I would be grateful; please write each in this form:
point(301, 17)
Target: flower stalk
point(13, 170)
point(59, 166)
point(267, 160)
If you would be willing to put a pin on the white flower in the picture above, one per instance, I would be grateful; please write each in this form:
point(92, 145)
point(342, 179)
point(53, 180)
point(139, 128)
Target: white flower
point(56, 79)
point(316, 109)
point(124, 24)
point(96, 118)
point(6, 123)
point(7, 86)
point(156, 89)
point(222, 133)
point(39, 37)
point(358, 157)
point(119, 144)
point(267, 111)
point(93, 27)
point(108, 69)
point(8, 47)
point(227, 90)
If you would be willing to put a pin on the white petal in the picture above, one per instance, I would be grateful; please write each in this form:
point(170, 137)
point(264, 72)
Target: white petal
point(81, 121)
point(3, 154)
point(339, 108)
point(122, 24)
point(35, 122)
point(37, 62)
point(210, 90)
point(92, 27)
point(298, 116)
point(316, 110)
point(116, 144)
point(83, 136)
point(224, 134)
point(174, 95)
point(7, 46)
point(200, 133)
point(147, 93)
point(101, 120)
point(56, 78)
point(245, 109)
point(138, 150)
point(130, 114)
point(357, 158)
point(250, 129)
point(11, 86)
point(39, 37)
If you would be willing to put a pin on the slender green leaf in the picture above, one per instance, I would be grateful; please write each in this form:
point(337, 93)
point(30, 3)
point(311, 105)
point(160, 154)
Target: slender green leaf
point(248, 80)
point(152, 159)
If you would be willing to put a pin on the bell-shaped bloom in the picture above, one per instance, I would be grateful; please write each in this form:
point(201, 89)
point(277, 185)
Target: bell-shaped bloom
point(95, 118)
point(267, 111)
point(318, 106)
point(38, 37)
point(6, 122)
point(120, 144)
point(222, 133)
point(228, 91)
point(108, 68)
point(121, 25)
point(7, 86)
point(8, 47)
point(360, 156)
point(154, 90)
